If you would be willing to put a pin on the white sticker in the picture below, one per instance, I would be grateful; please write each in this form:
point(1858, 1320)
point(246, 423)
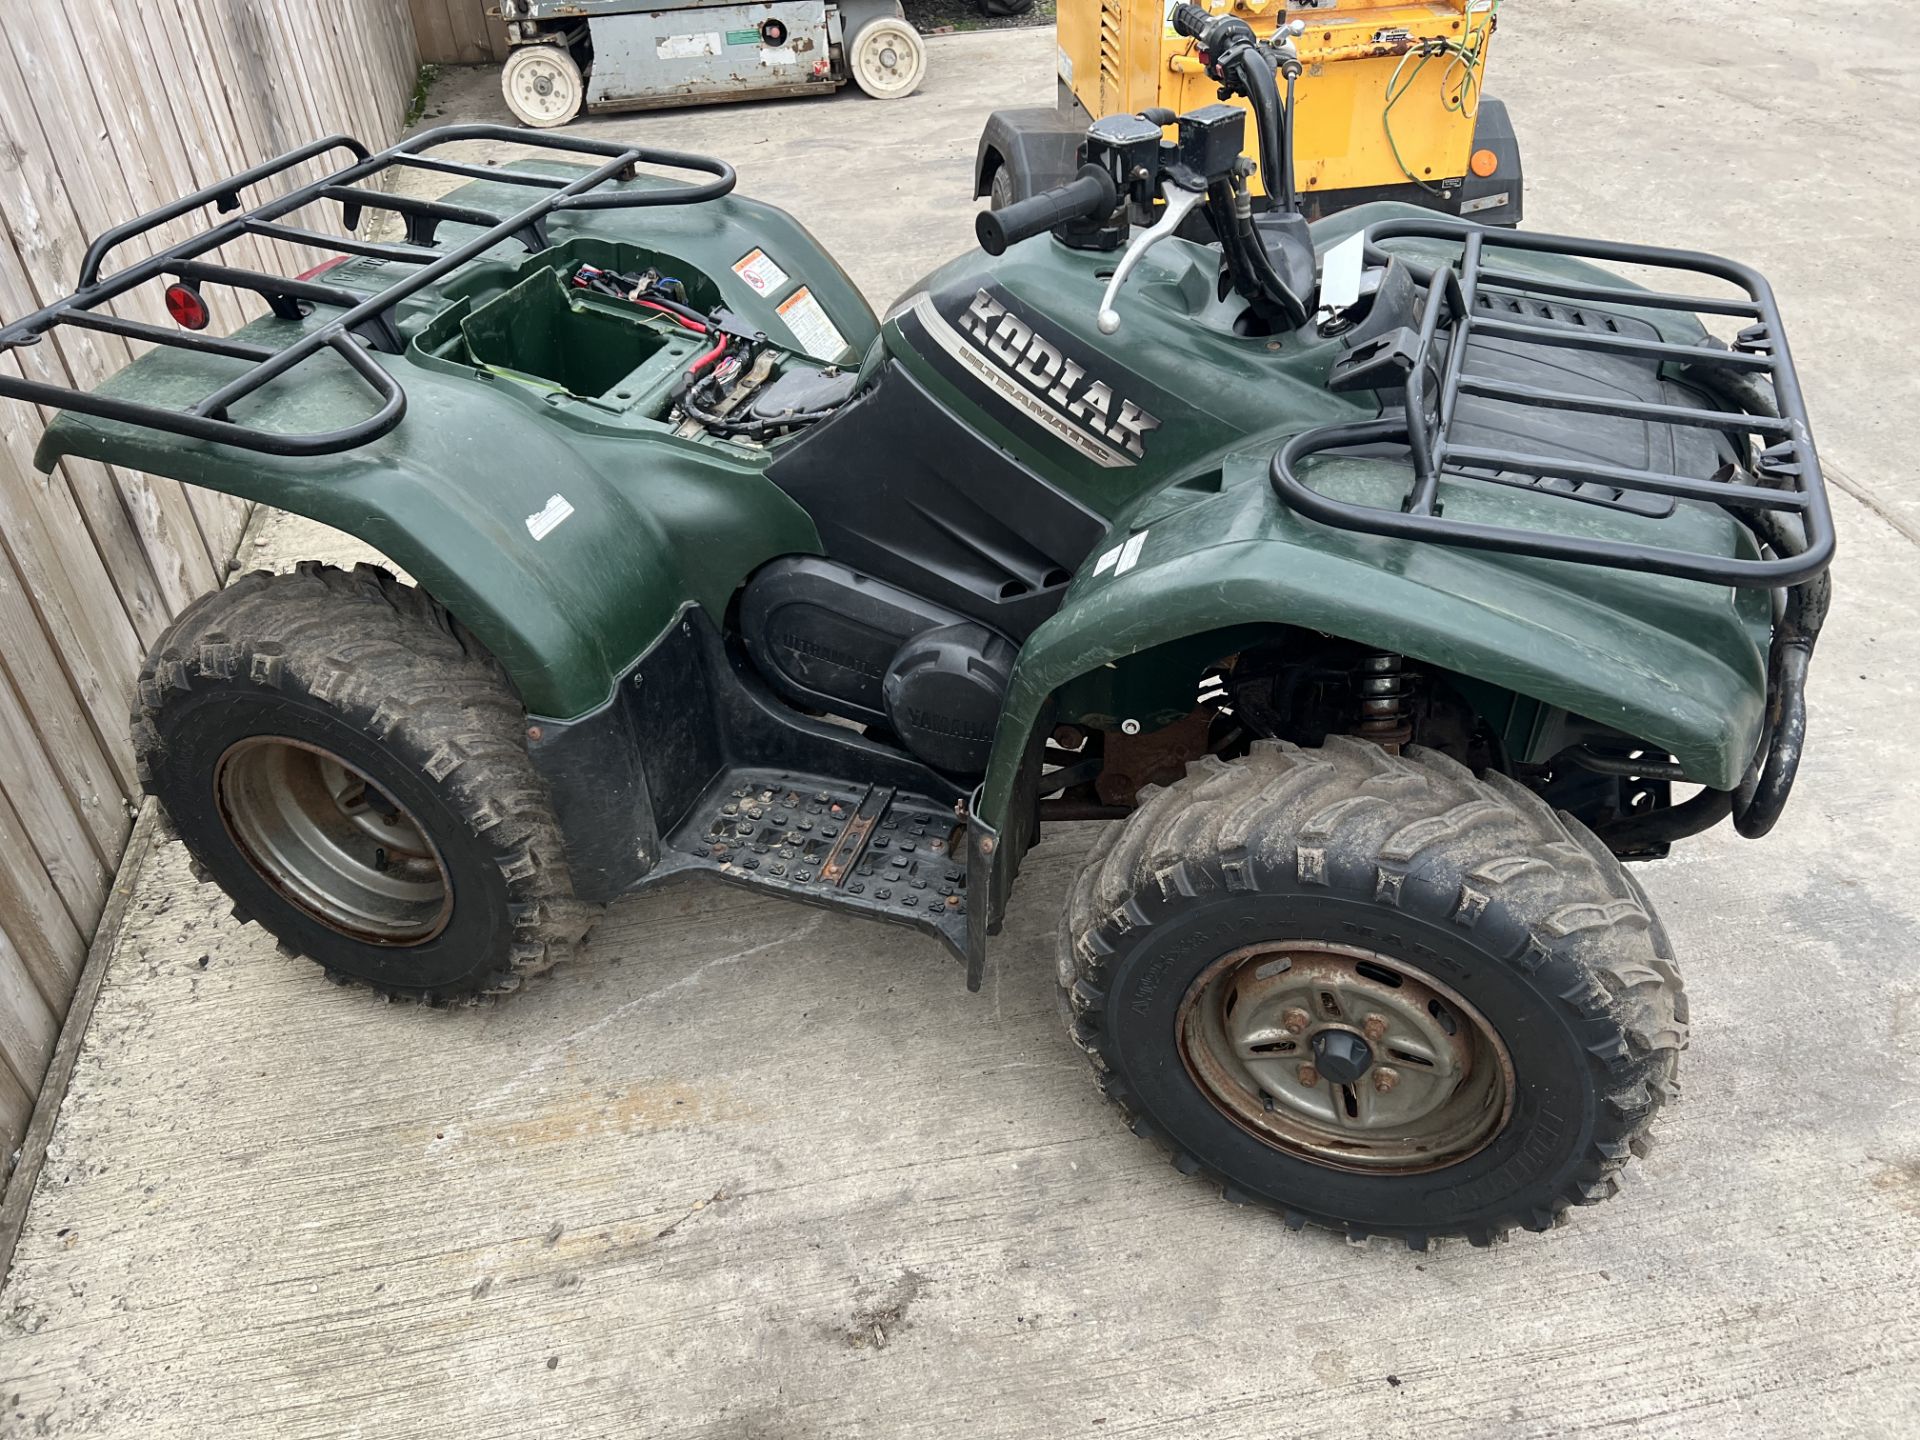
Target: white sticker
point(810, 326)
point(756, 267)
point(1130, 556)
point(1065, 65)
point(1105, 563)
point(783, 56)
point(686, 47)
point(1340, 272)
point(544, 521)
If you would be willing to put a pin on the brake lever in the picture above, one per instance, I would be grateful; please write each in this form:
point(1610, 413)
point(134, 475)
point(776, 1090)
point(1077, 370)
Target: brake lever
point(1180, 201)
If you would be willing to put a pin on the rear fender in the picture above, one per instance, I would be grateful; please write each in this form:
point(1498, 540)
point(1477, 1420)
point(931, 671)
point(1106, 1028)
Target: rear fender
point(1038, 148)
point(1678, 664)
point(567, 550)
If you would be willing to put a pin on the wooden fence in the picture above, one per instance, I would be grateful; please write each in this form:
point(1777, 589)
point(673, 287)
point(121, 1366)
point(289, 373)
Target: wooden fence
point(109, 108)
point(458, 32)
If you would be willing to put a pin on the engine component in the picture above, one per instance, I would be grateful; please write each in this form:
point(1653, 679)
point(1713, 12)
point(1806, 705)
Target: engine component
point(943, 693)
point(800, 397)
point(824, 635)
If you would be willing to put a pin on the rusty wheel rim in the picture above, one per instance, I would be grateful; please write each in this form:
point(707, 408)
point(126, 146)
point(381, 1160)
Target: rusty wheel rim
point(331, 842)
point(1345, 1057)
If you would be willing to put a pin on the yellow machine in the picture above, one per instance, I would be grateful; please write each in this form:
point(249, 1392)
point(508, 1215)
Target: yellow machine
point(1389, 102)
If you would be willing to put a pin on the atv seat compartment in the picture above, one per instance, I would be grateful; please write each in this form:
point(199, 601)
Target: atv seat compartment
point(539, 331)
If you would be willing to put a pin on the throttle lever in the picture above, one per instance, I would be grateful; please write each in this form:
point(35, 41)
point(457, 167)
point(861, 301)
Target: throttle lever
point(1180, 201)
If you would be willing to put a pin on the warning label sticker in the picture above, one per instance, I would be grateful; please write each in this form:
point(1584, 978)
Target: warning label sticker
point(756, 267)
point(810, 326)
point(544, 521)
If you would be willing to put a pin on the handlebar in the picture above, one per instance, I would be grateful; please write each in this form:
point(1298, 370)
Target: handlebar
point(1091, 195)
point(1237, 58)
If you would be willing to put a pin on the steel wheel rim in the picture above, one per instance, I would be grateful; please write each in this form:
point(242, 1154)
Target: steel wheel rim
point(887, 58)
point(1345, 1057)
point(546, 87)
point(331, 842)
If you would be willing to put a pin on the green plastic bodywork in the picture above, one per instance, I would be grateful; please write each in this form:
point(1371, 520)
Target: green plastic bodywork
point(1684, 666)
point(492, 433)
point(1678, 664)
point(656, 521)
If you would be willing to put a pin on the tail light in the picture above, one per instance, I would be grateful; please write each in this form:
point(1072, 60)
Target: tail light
point(186, 306)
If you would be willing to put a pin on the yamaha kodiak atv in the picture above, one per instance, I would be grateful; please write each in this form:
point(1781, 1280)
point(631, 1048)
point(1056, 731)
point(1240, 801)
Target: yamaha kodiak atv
point(1386, 581)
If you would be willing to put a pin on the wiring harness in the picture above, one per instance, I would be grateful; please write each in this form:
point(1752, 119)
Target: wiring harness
point(1459, 81)
point(722, 378)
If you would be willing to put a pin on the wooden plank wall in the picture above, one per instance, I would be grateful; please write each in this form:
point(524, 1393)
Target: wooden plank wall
point(109, 108)
point(459, 32)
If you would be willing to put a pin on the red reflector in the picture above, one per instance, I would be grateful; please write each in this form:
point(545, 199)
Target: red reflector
point(323, 267)
point(186, 307)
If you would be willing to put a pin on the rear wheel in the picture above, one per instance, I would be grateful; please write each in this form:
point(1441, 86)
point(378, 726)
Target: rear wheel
point(1000, 192)
point(1374, 992)
point(350, 766)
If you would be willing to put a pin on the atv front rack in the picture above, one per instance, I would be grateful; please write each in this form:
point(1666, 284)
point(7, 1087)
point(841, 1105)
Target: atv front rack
point(365, 321)
point(1785, 511)
point(1786, 466)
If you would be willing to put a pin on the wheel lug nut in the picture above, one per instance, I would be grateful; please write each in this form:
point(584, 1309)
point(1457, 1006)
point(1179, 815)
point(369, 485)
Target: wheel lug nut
point(1309, 1076)
point(1295, 1020)
point(1385, 1079)
point(1375, 1027)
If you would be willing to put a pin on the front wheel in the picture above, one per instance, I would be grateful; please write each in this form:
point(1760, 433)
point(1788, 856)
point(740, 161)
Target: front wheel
point(351, 767)
point(1373, 992)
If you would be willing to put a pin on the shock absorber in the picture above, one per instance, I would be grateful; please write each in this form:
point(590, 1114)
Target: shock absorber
point(1382, 685)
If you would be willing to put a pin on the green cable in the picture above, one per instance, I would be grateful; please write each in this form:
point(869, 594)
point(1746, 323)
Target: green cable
point(1462, 79)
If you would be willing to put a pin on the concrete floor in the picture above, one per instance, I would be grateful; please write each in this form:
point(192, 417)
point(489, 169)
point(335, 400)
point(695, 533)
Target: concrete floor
point(754, 1171)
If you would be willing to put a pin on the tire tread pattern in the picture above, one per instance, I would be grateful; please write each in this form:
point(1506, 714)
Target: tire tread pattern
point(1595, 942)
point(393, 662)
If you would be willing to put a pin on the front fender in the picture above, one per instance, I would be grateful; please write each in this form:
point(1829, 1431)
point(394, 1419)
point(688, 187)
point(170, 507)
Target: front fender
point(1679, 664)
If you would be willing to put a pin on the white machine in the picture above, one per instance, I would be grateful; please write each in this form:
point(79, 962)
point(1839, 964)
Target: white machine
point(573, 55)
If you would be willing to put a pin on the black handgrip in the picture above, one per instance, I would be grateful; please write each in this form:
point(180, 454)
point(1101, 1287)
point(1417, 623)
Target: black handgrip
point(1217, 35)
point(1090, 196)
point(1190, 21)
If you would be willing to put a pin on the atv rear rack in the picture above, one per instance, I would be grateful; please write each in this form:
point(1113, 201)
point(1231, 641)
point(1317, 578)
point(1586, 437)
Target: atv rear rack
point(365, 322)
point(1786, 468)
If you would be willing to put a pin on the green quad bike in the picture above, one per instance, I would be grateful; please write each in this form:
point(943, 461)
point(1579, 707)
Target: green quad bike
point(1387, 581)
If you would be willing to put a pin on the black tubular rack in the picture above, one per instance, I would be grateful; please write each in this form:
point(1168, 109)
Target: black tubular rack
point(1786, 467)
point(365, 321)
